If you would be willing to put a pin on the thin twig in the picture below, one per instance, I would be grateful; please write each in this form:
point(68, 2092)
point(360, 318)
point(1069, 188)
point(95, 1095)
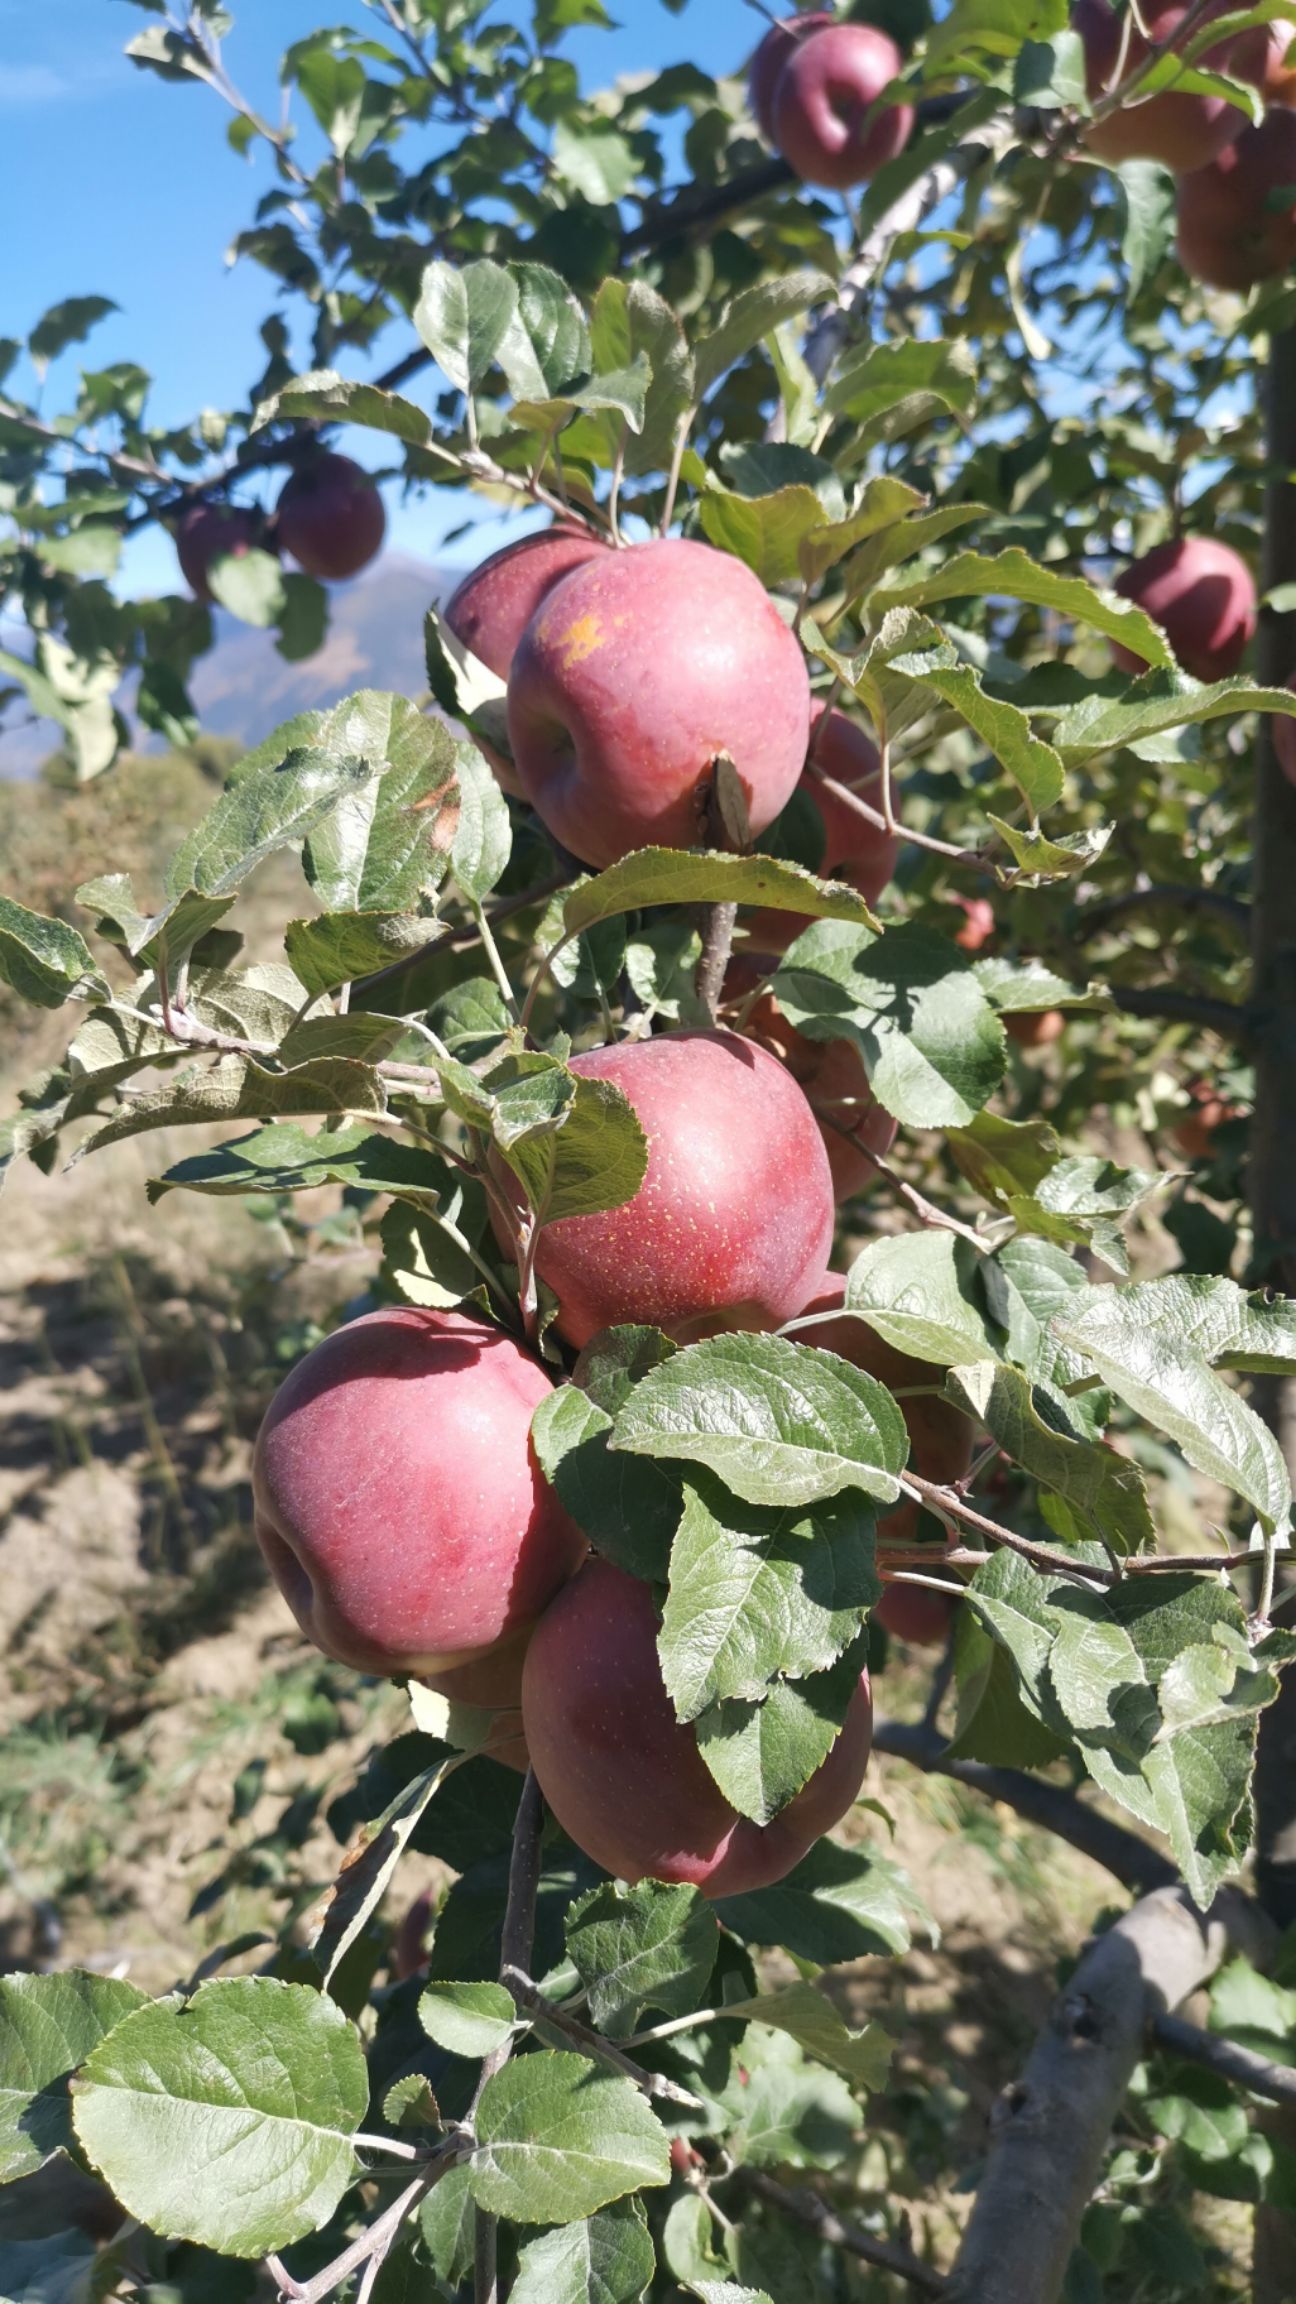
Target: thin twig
point(532, 2002)
point(1163, 1001)
point(975, 858)
point(515, 1953)
point(1089, 918)
point(805, 2207)
point(717, 945)
point(1263, 2078)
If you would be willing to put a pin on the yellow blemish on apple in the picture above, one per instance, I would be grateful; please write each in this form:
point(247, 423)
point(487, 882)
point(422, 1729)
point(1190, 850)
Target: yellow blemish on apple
point(581, 639)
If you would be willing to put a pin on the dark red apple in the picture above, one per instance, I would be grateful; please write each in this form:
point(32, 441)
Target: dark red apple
point(823, 120)
point(1180, 131)
point(207, 533)
point(862, 854)
point(915, 1614)
point(940, 1437)
point(1202, 596)
point(399, 1503)
point(623, 1777)
point(767, 64)
point(830, 1074)
point(978, 924)
point(492, 607)
point(735, 1214)
point(330, 517)
point(1230, 236)
point(1034, 1027)
point(636, 674)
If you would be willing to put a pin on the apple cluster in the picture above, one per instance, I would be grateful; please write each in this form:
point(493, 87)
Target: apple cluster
point(329, 519)
point(1233, 232)
point(815, 87)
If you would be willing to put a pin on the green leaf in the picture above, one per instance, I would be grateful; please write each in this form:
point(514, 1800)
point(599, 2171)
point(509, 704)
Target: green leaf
point(251, 585)
point(761, 1755)
point(606, 2259)
point(836, 1904)
point(546, 344)
point(889, 388)
point(994, 1723)
point(678, 876)
point(324, 396)
point(386, 844)
point(758, 1594)
point(595, 159)
point(483, 838)
point(907, 999)
point(1149, 198)
point(1151, 705)
point(918, 1290)
point(291, 1159)
point(1154, 1344)
point(574, 1144)
point(238, 1088)
point(343, 946)
point(881, 511)
point(271, 808)
point(57, 2269)
point(628, 1510)
point(1015, 576)
point(1084, 1200)
point(650, 1946)
point(1039, 860)
point(778, 1422)
point(1104, 1492)
point(468, 2019)
point(809, 2017)
point(786, 2112)
point(333, 1925)
point(92, 550)
point(558, 2139)
point(44, 960)
point(768, 532)
point(630, 321)
point(48, 2026)
point(992, 27)
point(227, 2119)
point(463, 315)
point(67, 323)
point(755, 312)
point(334, 88)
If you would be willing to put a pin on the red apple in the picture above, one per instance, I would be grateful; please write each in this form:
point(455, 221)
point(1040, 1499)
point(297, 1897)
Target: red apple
point(210, 532)
point(915, 1614)
point(735, 1214)
point(830, 1074)
point(492, 607)
point(823, 100)
point(940, 1437)
point(634, 676)
point(398, 1500)
point(1034, 1027)
point(330, 517)
point(1284, 739)
point(978, 922)
point(623, 1777)
point(1229, 235)
point(1180, 131)
point(1201, 595)
point(862, 854)
point(767, 64)
point(1195, 1133)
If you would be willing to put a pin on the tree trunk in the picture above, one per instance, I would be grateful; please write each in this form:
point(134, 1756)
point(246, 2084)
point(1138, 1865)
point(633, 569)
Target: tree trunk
point(1272, 1183)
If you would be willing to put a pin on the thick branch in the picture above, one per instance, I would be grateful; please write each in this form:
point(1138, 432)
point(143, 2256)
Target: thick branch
point(808, 2209)
point(1121, 1852)
point(1161, 1000)
point(1049, 2129)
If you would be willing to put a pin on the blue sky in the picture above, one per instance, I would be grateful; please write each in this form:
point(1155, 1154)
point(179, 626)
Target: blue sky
point(116, 184)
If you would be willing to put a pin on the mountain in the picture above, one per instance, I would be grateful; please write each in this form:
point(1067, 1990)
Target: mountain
point(244, 687)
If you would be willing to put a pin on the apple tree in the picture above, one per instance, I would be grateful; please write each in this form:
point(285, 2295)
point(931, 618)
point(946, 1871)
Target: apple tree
point(803, 1009)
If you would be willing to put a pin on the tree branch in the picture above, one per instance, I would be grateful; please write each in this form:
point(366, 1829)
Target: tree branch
point(805, 2207)
point(532, 2002)
point(1129, 1859)
point(1089, 918)
point(1277, 2081)
point(1049, 2129)
point(1161, 1000)
point(515, 1953)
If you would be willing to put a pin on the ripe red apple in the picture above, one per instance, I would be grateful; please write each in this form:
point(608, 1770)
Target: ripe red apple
point(210, 532)
point(330, 517)
point(1284, 739)
point(915, 1614)
point(1201, 595)
point(398, 1500)
point(1034, 1027)
point(940, 1437)
point(633, 677)
point(1180, 131)
point(830, 1074)
point(1195, 1133)
point(735, 1214)
point(626, 1781)
point(1229, 236)
point(766, 69)
point(822, 100)
point(978, 922)
point(862, 854)
point(492, 607)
